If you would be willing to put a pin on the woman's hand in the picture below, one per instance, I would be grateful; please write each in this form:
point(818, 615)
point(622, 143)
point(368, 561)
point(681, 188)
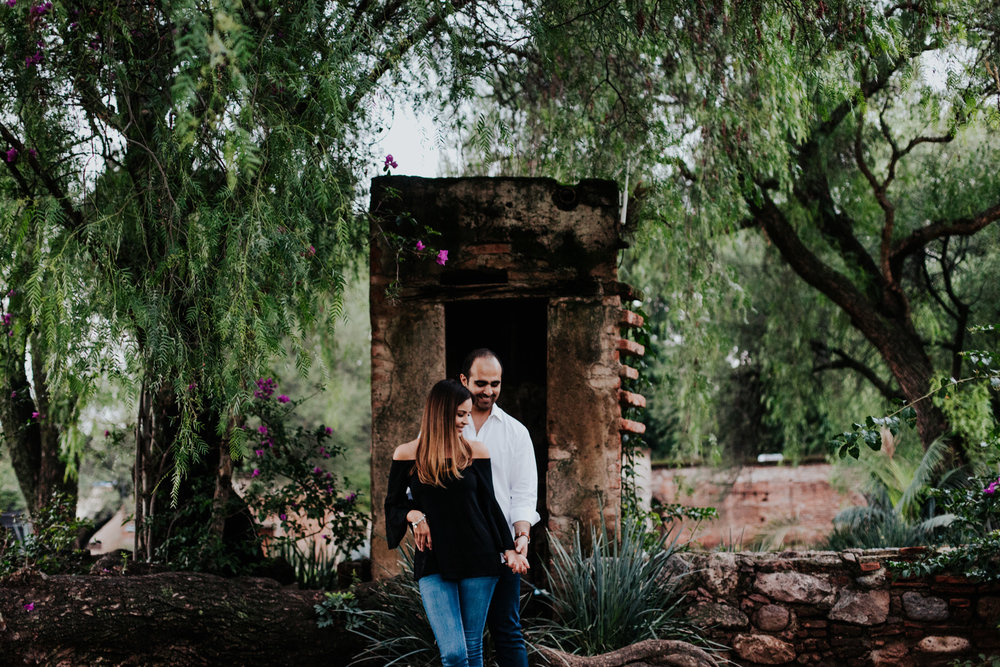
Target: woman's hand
point(516, 562)
point(421, 531)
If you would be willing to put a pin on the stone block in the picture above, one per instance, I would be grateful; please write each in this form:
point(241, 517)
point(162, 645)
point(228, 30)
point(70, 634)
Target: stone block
point(920, 607)
point(772, 618)
point(862, 608)
point(795, 587)
point(718, 615)
point(988, 608)
point(939, 645)
point(764, 649)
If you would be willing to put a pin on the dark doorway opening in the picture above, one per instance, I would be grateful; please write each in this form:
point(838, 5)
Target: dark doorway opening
point(517, 330)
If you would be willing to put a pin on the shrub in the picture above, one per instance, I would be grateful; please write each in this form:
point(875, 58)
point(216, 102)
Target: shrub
point(51, 547)
point(617, 592)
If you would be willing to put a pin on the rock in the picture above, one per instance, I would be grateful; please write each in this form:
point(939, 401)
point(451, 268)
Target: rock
point(763, 649)
point(874, 580)
point(715, 614)
point(892, 655)
point(720, 574)
point(794, 587)
point(772, 618)
point(943, 645)
point(924, 607)
point(649, 653)
point(861, 608)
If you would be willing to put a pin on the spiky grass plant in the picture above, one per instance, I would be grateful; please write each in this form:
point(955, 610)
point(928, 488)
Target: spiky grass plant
point(619, 591)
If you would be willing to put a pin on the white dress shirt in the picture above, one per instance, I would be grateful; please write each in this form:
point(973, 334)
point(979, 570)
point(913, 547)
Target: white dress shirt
point(512, 457)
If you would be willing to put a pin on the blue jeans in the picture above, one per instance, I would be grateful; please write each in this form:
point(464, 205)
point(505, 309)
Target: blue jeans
point(504, 621)
point(457, 613)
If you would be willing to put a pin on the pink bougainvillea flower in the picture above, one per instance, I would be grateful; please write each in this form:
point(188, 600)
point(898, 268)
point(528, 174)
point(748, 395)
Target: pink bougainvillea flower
point(30, 606)
point(259, 452)
point(35, 415)
point(283, 399)
point(317, 470)
point(255, 473)
point(389, 162)
point(11, 3)
point(442, 257)
point(328, 430)
point(12, 153)
point(13, 394)
point(32, 152)
point(262, 429)
point(420, 245)
point(351, 497)
point(282, 516)
point(107, 433)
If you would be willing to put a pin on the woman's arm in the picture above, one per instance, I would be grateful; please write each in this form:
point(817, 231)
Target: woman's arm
point(398, 506)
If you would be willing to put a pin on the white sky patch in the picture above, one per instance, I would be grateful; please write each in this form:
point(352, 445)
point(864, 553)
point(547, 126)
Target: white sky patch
point(412, 142)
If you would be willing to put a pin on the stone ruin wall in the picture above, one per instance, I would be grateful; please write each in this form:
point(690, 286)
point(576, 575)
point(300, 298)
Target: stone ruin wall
point(837, 609)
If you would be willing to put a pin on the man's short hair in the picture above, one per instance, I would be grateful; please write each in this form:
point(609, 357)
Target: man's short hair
point(478, 353)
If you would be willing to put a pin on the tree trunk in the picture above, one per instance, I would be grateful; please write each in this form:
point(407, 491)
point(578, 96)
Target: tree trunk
point(206, 525)
point(171, 618)
point(32, 437)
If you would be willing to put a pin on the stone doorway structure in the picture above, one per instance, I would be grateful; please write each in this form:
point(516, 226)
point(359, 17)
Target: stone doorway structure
point(532, 274)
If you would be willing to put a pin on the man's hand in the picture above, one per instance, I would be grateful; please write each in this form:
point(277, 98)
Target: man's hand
point(421, 531)
point(516, 562)
point(521, 540)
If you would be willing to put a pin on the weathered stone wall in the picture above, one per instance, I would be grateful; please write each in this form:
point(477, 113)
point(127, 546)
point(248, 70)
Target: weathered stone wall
point(827, 608)
point(787, 507)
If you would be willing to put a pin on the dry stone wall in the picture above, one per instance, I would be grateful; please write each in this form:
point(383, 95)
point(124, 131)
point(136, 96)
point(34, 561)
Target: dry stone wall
point(827, 608)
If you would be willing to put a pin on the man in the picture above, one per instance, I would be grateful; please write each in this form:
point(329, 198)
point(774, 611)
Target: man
point(515, 482)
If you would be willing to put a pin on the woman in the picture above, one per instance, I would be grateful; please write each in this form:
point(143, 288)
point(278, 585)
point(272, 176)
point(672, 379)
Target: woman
point(459, 530)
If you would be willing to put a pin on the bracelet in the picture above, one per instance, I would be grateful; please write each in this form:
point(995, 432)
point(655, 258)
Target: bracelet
point(524, 535)
point(423, 517)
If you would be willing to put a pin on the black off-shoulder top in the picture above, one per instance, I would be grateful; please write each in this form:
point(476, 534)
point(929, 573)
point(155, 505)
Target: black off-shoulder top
point(468, 529)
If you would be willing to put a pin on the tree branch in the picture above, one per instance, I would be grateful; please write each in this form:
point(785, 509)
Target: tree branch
point(966, 226)
point(846, 361)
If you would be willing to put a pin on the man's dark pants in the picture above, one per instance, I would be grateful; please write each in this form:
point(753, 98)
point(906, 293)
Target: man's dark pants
point(504, 621)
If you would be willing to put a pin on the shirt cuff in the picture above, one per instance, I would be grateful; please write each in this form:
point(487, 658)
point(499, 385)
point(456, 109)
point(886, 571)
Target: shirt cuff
point(524, 514)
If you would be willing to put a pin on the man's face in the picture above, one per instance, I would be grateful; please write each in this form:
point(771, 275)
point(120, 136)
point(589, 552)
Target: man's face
point(484, 383)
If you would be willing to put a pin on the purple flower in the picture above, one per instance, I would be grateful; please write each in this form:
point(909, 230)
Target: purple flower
point(265, 388)
point(328, 430)
point(282, 516)
point(262, 429)
point(329, 489)
point(259, 452)
point(351, 497)
point(255, 473)
point(33, 60)
point(420, 245)
point(442, 257)
point(992, 488)
point(13, 394)
point(11, 3)
point(107, 433)
point(29, 607)
point(389, 162)
point(317, 470)
point(283, 399)
point(35, 415)
point(192, 386)
point(32, 152)
point(12, 152)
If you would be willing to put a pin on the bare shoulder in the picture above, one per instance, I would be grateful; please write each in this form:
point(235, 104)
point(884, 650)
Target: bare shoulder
point(405, 452)
point(479, 450)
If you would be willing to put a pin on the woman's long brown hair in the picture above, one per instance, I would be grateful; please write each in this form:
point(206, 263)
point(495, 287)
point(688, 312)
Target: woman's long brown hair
point(441, 452)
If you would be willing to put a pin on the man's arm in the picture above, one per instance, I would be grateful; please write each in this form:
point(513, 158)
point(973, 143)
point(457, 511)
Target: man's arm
point(523, 488)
